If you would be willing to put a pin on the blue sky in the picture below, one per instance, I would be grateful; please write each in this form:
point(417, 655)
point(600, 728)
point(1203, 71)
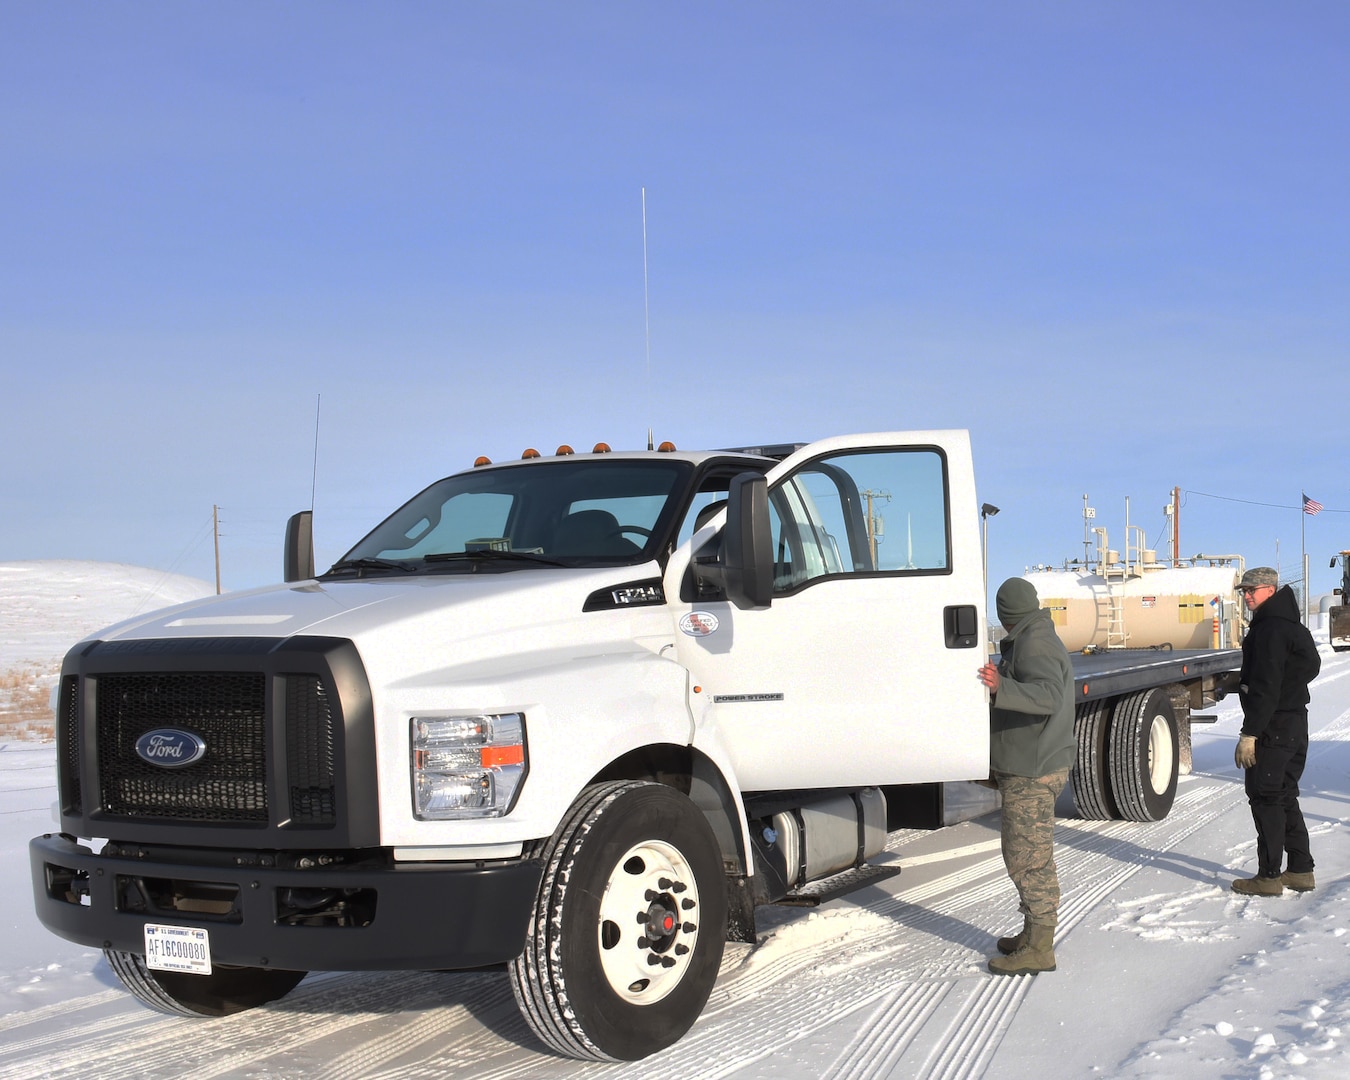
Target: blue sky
point(1108, 238)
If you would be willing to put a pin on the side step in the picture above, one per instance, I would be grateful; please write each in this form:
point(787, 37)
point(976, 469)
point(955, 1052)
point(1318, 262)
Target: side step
point(819, 892)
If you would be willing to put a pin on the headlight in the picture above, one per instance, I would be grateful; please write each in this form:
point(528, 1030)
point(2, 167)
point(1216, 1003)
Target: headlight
point(466, 766)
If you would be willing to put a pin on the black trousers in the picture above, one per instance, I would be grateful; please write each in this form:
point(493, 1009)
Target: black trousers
point(1272, 792)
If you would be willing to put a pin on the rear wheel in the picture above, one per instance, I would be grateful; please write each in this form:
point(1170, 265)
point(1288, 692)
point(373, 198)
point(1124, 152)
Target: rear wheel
point(1091, 776)
point(226, 990)
point(1144, 755)
point(628, 927)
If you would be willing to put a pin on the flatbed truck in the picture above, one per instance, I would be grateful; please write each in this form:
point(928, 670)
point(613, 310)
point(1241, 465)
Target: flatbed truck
point(576, 714)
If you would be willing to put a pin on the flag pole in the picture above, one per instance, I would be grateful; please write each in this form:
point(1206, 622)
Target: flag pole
point(1303, 549)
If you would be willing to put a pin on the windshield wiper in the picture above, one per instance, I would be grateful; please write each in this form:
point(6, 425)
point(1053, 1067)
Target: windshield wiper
point(369, 564)
point(492, 555)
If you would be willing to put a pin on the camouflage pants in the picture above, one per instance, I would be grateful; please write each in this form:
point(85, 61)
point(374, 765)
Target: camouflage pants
point(1029, 841)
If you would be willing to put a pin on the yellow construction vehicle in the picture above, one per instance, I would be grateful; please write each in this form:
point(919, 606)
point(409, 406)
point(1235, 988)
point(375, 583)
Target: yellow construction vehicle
point(1340, 613)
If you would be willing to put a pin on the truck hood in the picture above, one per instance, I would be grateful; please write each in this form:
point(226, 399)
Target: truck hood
point(357, 609)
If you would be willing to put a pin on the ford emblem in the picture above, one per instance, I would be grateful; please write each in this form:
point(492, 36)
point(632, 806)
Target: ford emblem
point(170, 748)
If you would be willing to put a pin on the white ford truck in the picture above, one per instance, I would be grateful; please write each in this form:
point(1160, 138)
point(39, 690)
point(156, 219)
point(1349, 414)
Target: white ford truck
point(576, 714)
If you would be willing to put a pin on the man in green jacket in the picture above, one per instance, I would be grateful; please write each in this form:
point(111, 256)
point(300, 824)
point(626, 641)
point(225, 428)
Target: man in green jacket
point(1031, 752)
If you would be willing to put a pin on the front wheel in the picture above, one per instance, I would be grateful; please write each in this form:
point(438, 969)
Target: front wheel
point(627, 931)
point(225, 991)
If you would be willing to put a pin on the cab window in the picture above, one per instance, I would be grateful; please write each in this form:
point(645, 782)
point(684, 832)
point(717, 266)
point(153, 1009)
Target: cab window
point(882, 511)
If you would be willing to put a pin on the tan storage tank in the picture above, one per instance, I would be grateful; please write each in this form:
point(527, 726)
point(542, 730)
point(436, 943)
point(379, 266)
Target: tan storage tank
point(1154, 606)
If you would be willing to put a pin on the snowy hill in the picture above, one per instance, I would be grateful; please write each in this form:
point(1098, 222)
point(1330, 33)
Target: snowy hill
point(48, 605)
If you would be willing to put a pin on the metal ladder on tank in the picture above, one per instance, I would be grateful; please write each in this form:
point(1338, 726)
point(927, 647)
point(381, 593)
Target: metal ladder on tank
point(1116, 635)
point(1114, 573)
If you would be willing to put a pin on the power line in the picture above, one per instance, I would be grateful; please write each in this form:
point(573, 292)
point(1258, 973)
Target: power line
point(1253, 502)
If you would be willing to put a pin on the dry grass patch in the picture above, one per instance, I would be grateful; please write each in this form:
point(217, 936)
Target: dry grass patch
point(25, 705)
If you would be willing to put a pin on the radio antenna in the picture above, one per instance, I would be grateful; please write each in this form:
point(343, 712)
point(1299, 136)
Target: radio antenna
point(646, 302)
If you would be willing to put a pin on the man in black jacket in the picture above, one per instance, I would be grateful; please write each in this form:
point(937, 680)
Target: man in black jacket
point(1279, 660)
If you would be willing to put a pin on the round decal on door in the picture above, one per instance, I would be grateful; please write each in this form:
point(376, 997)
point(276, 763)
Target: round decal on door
point(699, 623)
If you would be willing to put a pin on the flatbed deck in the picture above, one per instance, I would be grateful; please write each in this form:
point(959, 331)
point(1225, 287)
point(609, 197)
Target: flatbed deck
point(1111, 672)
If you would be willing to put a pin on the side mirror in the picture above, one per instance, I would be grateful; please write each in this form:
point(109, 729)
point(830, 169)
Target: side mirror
point(747, 544)
point(1332, 564)
point(298, 558)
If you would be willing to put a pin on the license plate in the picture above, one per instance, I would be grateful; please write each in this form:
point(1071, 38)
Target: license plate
point(177, 948)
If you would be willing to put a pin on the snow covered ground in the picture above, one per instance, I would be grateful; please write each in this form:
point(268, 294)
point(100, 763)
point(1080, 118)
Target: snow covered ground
point(1163, 971)
point(48, 605)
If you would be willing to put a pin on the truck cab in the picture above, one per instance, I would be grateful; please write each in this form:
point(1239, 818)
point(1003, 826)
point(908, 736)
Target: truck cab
point(578, 714)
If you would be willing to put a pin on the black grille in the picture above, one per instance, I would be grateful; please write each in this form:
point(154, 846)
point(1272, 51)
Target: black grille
point(309, 752)
point(68, 738)
point(227, 711)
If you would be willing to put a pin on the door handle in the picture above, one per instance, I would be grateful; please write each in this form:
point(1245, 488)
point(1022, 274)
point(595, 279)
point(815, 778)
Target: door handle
point(961, 626)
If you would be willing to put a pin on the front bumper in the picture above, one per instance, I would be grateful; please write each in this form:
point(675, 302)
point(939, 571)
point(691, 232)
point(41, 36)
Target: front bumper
point(414, 917)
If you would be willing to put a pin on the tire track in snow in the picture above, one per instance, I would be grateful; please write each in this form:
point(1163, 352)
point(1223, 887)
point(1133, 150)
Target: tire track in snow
point(966, 1046)
point(39, 1047)
point(891, 1031)
point(406, 992)
point(43, 1013)
point(1336, 731)
point(172, 1046)
point(469, 1044)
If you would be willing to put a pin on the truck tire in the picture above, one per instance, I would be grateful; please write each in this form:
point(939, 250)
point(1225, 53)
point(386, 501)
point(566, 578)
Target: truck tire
point(1144, 755)
point(225, 991)
point(628, 927)
point(1091, 777)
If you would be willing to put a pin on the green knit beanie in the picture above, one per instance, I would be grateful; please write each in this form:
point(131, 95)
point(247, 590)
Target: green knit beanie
point(1016, 599)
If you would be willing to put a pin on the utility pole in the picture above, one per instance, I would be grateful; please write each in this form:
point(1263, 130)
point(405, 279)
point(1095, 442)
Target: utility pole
point(873, 521)
point(1176, 525)
point(215, 530)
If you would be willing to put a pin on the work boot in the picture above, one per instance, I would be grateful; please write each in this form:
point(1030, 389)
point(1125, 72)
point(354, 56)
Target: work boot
point(1296, 882)
point(1036, 954)
point(1009, 945)
point(1259, 886)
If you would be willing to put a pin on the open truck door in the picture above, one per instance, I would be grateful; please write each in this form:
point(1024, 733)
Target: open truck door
point(857, 665)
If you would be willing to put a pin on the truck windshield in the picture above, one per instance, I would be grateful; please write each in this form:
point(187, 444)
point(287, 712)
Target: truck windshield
point(606, 512)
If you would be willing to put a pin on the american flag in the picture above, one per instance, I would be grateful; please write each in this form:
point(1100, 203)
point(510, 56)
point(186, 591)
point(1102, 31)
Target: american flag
point(1311, 506)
